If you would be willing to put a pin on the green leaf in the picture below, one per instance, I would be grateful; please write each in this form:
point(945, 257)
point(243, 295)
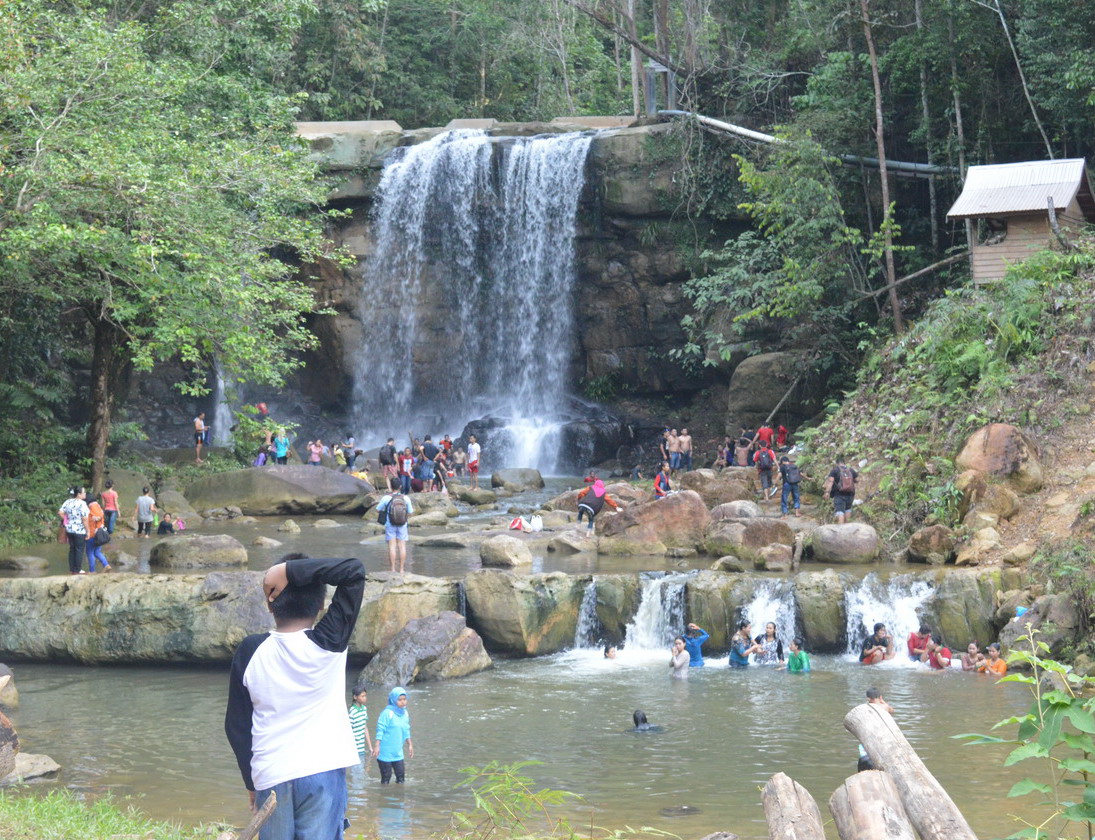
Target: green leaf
point(1025, 786)
point(1020, 753)
point(1082, 719)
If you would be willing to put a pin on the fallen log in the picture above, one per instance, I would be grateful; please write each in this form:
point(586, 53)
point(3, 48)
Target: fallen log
point(931, 811)
point(791, 813)
point(868, 807)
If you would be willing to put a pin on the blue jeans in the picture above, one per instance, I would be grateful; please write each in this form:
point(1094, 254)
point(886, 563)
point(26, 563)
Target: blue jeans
point(95, 552)
point(789, 490)
point(309, 807)
point(111, 518)
point(405, 483)
point(686, 461)
point(674, 460)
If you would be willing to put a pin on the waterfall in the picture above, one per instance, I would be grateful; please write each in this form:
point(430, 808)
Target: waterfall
point(773, 600)
point(585, 634)
point(466, 302)
point(895, 602)
point(660, 616)
point(222, 411)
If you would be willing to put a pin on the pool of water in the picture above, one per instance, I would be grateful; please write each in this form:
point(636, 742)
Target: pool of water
point(156, 734)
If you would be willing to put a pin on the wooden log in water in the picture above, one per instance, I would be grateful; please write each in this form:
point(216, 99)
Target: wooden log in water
point(868, 807)
point(791, 813)
point(931, 811)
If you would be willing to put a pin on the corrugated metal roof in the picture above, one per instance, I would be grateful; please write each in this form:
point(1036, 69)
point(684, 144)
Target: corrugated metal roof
point(1010, 188)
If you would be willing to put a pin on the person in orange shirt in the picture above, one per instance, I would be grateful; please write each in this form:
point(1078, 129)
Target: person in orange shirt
point(592, 505)
point(96, 519)
point(993, 664)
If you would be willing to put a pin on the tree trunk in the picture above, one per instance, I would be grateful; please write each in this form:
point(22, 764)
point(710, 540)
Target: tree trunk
point(867, 807)
point(791, 813)
point(925, 117)
point(880, 142)
point(959, 126)
point(101, 397)
point(638, 87)
point(931, 811)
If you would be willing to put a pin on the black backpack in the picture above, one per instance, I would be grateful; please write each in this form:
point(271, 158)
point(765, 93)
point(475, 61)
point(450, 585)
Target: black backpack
point(764, 460)
point(791, 474)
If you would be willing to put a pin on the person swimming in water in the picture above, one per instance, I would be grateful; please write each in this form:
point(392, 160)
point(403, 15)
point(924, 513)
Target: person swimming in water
point(642, 724)
point(610, 651)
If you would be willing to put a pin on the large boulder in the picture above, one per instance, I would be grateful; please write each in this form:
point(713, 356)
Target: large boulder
point(819, 598)
point(714, 601)
point(24, 563)
point(760, 382)
point(173, 502)
point(735, 510)
point(525, 615)
point(932, 544)
point(717, 488)
point(1002, 450)
point(431, 502)
point(620, 492)
point(747, 538)
point(962, 608)
point(197, 551)
point(390, 602)
point(517, 480)
point(677, 521)
point(852, 542)
point(618, 598)
point(474, 496)
point(9, 693)
point(267, 491)
point(29, 766)
point(1057, 619)
point(436, 647)
point(428, 519)
point(128, 484)
point(504, 551)
point(985, 541)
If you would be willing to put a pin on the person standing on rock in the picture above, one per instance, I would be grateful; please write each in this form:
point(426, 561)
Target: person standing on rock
point(406, 464)
point(590, 505)
point(315, 453)
point(199, 436)
point(459, 461)
point(673, 446)
point(840, 487)
point(393, 729)
point(145, 513)
point(764, 436)
point(387, 464)
point(473, 461)
point(765, 460)
point(685, 443)
point(281, 447)
point(286, 717)
point(394, 510)
point(74, 515)
point(110, 506)
point(790, 477)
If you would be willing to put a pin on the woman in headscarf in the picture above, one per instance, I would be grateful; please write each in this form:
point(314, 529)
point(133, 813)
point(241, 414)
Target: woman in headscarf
point(393, 727)
point(590, 505)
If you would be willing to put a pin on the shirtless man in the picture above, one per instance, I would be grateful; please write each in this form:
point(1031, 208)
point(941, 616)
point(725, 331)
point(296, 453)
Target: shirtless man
point(673, 446)
point(199, 437)
point(685, 442)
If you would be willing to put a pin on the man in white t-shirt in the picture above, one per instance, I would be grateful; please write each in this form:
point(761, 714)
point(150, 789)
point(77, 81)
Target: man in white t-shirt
point(473, 461)
point(286, 718)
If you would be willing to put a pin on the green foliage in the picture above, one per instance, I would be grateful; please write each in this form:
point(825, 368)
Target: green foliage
point(979, 355)
point(1057, 731)
point(602, 388)
point(251, 431)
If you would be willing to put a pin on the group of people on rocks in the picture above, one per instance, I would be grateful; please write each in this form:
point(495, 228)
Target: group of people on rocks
point(88, 523)
point(924, 646)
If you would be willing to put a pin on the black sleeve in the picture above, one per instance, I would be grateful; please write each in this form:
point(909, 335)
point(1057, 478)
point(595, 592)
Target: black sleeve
point(335, 628)
point(779, 650)
point(237, 717)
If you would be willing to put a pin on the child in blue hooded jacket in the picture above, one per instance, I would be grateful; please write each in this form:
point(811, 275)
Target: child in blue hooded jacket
point(393, 727)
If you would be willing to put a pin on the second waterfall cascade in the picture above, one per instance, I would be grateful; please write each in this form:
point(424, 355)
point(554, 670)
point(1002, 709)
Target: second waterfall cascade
point(467, 298)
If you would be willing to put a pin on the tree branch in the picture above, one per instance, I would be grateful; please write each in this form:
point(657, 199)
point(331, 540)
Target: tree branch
point(611, 26)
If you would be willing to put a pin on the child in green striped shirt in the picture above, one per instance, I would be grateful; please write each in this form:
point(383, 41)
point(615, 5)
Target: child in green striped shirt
point(359, 722)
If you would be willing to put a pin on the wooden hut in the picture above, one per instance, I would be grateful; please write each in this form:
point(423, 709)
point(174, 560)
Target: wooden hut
point(1013, 208)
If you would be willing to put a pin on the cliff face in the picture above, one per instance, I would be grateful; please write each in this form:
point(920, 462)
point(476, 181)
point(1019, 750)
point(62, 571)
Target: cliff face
point(630, 265)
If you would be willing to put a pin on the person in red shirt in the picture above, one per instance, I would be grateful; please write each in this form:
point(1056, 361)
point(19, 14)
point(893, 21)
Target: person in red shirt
point(918, 644)
point(765, 434)
point(661, 482)
point(765, 460)
point(939, 656)
point(781, 436)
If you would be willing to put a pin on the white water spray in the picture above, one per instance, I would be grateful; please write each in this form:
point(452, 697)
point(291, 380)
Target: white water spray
point(660, 616)
point(896, 602)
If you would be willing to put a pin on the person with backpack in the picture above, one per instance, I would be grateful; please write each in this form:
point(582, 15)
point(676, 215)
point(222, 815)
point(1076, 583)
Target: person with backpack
point(765, 461)
point(840, 487)
point(791, 477)
point(590, 505)
point(387, 456)
point(393, 512)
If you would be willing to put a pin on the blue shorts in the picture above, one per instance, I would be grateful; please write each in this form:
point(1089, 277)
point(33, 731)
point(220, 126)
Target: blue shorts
point(842, 502)
point(395, 532)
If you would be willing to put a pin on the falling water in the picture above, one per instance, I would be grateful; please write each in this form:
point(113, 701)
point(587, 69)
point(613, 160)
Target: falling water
point(585, 634)
point(466, 301)
point(895, 602)
point(773, 600)
point(660, 616)
point(222, 411)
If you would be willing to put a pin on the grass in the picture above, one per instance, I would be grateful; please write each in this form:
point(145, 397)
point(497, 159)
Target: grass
point(60, 815)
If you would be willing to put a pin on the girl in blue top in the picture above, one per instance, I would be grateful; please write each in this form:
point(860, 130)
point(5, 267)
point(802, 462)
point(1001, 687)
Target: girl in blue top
point(742, 645)
point(393, 727)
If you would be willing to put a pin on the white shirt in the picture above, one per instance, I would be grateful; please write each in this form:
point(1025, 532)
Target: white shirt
point(473, 452)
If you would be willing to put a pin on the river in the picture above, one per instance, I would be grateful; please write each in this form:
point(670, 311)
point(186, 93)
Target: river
point(155, 734)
